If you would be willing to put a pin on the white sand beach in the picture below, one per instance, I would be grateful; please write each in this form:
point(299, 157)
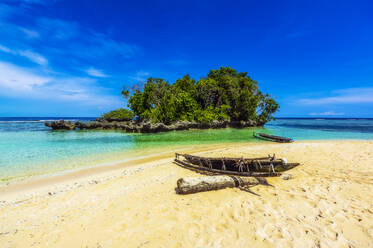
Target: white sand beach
point(328, 203)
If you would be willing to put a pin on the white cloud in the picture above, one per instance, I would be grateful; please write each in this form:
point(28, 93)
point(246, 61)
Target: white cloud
point(34, 1)
point(327, 113)
point(19, 82)
point(98, 46)
point(72, 44)
point(343, 96)
point(95, 72)
point(32, 34)
point(5, 49)
point(62, 47)
point(140, 76)
point(57, 29)
point(34, 57)
point(84, 43)
point(19, 79)
point(25, 3)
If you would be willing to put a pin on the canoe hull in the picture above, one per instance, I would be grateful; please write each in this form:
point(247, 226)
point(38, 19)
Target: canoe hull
point(237, 165)
point(273, 138)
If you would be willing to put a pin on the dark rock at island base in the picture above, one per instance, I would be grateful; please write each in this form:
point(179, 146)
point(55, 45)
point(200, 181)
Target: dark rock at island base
point(57, 125)
point(147, 127)
point(160, 127)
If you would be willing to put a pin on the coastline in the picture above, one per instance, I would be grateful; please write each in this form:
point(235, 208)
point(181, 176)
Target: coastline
point(135, 203)
point(130, 126)
point(94, 171)
point(113, 167)
point(36, 151)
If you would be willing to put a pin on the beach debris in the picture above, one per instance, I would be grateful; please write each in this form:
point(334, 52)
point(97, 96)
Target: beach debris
point(262, 166)
point(191, 185)
point(286, 176)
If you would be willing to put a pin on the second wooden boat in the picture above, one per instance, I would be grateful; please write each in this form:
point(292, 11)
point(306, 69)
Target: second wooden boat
point(273, 137)
point(263, 166)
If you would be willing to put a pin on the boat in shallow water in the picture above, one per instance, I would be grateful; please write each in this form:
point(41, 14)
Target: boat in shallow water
point(273, 138)
point(263, 166)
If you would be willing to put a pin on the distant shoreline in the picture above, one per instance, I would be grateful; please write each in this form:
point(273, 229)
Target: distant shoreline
point(327, 118)
point(148, 127)
point(49, 118)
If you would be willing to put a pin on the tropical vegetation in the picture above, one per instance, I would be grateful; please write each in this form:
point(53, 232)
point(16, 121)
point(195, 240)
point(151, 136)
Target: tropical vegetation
point(224, 94)
point(119, 115)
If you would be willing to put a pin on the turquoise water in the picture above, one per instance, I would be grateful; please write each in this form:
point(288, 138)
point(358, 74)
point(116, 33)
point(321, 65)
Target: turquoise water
point(322, 129)
point(28, 148)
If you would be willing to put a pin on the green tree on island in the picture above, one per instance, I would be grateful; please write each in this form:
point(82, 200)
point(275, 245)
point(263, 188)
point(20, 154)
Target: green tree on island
point(224, 94)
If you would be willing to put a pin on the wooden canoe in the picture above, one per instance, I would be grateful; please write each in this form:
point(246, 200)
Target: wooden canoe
point(264, 166)
point(273, 138)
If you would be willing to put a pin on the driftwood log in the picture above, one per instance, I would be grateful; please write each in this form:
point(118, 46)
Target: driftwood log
point(199, 184)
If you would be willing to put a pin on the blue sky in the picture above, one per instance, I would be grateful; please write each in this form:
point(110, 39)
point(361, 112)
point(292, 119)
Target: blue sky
point(71, 58)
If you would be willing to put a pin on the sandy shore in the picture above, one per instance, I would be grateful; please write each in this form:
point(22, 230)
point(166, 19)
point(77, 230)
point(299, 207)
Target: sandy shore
point(329, 203)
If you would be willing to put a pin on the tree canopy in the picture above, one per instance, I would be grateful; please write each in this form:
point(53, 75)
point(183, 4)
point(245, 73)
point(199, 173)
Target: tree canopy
point(118, 115)
point(224, 94)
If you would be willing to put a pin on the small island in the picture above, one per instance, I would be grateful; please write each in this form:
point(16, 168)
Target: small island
point(225, 98)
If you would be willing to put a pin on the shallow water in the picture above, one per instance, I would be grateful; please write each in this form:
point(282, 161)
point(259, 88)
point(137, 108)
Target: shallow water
point(28, 148)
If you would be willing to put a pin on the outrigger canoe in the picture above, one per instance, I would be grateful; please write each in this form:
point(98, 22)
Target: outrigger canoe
point(264, 166)
point(272, 137)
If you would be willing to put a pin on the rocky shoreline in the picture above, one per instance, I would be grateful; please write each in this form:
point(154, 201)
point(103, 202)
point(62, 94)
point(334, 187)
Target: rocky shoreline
point(147, 127)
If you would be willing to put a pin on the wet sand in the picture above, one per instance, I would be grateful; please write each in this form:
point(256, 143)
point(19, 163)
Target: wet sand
point(328, 203)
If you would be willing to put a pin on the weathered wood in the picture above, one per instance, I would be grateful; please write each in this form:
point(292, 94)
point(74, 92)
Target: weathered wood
point(273, 137)
point(268, 166)
point(203, 170)
point(199, 184)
